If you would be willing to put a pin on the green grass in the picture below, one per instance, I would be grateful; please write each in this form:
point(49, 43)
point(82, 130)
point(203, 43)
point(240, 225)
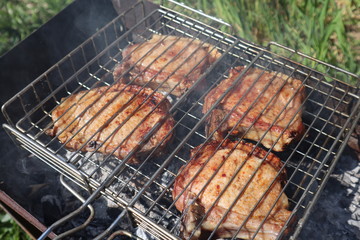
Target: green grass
point(327, 30)
point(19, 18)
point(9, 230)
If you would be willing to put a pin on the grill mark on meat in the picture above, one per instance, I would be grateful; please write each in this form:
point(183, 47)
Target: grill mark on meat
point(167, 63)
point(93, 144)
point(261, 192)
point(113, 120)
point(276, 113)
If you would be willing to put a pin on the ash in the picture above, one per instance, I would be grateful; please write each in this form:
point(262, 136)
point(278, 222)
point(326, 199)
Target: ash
point(127, 184)
point(336, 215)
point(34, 185)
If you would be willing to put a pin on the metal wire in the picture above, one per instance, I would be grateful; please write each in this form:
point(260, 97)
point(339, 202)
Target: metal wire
point(330, 114)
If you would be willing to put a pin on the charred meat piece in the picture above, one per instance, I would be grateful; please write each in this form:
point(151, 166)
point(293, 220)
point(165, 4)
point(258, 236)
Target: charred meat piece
point(263, 105)
point(167, 63)
point(249, 180)
point(113, 120)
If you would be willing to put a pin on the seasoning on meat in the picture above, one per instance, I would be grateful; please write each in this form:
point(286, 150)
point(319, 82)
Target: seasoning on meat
point(167, 63)
point(113, 120)
point(251, 186)
point(264, 106)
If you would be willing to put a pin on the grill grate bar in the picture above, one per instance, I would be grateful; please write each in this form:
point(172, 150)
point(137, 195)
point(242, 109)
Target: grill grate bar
point(146, 189)
point(238, 196)
point(195, 127)
point(155, 175)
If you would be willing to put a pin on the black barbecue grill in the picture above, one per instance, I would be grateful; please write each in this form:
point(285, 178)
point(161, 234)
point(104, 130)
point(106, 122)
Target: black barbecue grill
point(142, 193)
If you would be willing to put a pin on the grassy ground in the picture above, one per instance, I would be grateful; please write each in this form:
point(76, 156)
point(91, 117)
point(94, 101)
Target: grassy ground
point(328, 30)
point(9, 230)
point(19, 18)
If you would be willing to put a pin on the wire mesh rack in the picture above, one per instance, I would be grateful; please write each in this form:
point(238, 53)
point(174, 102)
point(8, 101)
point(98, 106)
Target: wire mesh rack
point(331, 110)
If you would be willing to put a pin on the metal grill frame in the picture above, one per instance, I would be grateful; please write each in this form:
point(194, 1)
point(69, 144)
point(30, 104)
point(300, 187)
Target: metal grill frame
point(97, 56)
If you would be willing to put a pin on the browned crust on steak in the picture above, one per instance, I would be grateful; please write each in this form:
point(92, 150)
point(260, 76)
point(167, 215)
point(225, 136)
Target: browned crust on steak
point(264, 117)
point(113, 120)
point(166, 63)
point(237, 161)
point(207, 150)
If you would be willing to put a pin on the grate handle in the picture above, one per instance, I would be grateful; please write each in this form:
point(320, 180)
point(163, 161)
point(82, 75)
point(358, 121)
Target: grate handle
point(64, 219)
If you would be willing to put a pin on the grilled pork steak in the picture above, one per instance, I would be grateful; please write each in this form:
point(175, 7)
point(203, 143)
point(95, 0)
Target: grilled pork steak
point(167, 63)
point(112, 120)
point(255, 197)
point(263, 105)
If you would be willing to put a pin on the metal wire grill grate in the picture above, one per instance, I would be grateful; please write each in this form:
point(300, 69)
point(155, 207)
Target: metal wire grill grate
point(330, 112)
